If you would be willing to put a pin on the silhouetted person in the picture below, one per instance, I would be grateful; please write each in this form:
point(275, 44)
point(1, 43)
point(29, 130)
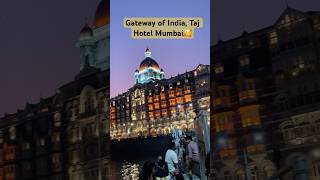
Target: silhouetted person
point(161, 169)
point(146, 171)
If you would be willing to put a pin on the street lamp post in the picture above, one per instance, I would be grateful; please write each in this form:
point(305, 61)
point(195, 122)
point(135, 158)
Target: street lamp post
point(99, 151)
point(247, 168)
point(245, 159)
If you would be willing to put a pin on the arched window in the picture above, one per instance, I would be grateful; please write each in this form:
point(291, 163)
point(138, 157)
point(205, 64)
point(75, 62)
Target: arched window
point(57, 119)
point(240, 175)
point(227, 175)
point(315, 170)
point(12, 132)
point(268, 171)
point(254, 173)
point(87, 103)
point(101, 105)
point(87, 100)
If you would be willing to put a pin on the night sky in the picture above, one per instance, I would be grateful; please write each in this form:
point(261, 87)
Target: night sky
point(37, 49)
point(231, 17)
point(173, 55)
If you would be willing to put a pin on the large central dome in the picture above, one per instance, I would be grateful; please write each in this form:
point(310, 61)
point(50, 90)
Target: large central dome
point(148, 63)
point(149, 70)
point(102, 16)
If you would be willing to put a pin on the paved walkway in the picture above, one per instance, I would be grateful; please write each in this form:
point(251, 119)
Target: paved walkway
point(186, 177)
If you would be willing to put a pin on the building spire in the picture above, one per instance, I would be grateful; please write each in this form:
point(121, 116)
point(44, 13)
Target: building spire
point(86, 20)
point(148, 52)
point(287, 4)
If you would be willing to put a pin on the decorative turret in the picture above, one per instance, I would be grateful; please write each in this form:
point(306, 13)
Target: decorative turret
point(86, 32)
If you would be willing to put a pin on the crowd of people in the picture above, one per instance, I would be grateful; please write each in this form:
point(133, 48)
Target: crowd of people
point(177, 161)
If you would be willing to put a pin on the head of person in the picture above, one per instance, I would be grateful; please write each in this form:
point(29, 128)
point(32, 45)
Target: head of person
point(159, 158)
point(146, 165)
point(172, 145)
point(151, 166)
point(188, 139)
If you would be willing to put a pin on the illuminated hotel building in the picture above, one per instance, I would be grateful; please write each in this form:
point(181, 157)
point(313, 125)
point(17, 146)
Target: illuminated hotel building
point(154, 103)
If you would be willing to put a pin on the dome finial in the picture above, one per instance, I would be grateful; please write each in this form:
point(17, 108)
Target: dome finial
point(148, 52)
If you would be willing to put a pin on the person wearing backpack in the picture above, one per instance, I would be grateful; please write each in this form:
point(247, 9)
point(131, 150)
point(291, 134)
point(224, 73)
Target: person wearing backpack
point(146, 171)
point(161, 170)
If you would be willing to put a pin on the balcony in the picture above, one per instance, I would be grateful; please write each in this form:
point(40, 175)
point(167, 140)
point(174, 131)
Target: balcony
point(247, 96)
point(228, 153)
point(221, 102)
point(88, 113)
point(257, 148)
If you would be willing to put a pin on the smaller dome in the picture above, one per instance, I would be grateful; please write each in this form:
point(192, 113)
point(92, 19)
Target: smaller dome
point(86, 31)
point(102, 15)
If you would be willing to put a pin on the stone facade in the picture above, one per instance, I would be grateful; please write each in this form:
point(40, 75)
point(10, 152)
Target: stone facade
point(265, 101)
point(65, 136)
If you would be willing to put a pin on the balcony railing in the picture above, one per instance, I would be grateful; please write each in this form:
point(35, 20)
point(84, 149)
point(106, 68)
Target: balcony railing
point(87, 113)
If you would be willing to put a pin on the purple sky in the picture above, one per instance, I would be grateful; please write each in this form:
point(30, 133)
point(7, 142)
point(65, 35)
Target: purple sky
point(230, 17)
point(37, 49)
point(173, 56)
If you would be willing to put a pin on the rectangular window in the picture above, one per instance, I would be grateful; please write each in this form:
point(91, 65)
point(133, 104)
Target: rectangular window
point(150, 107)
point(187, 98)
point(172, 110)
point(151, 115)
point(179, 100)
point(156, 98)
point(163, 96)
point(156, 105)
point(171, 94)
point(164, 112)
point(172, 102)
point(163, 104)
point(187, 90)
point(244, 60)
point(273, 38)
point(179, 92)
point(157, 114)
point(250, 115)
point(219, 69)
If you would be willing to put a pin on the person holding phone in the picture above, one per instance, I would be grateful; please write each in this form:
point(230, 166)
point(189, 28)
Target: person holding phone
point(172, 160)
